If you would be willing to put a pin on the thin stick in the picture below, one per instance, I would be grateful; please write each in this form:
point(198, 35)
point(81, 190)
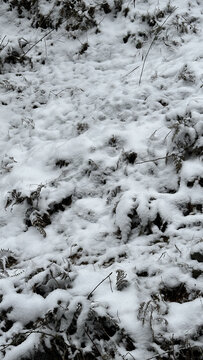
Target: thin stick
point(178, 249)
point(110, 284)
point(2, 40)
point(49, 32)
point(28, 333)
point(145, 58)
point(1, 43)
point(131, 71)
point(46, 48)
point(152, 160)
point(90, 294)
point(93, 343)
point(118, 316)
point(37, 332)
point(166, 352)
point(153, 40)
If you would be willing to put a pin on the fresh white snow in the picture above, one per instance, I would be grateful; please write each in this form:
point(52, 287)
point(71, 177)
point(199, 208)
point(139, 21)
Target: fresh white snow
point(101, 174)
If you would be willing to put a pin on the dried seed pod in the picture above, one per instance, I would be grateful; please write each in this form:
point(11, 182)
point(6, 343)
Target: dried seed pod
point(121, 282)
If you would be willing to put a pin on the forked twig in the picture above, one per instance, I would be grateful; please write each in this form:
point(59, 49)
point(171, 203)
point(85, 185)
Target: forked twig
point(128, 353)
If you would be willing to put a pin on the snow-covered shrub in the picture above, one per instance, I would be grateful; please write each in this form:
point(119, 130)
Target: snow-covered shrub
point(73, 329)
point(7, 260)
point(187, 74)
point(7, 164)
point(12, 55)
point(34, 215)
point(77, 15)
point(185, 23)
point(185, 139)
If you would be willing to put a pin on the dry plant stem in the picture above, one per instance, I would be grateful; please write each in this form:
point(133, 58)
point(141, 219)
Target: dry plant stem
point(86, 332)
point(152, 160)
point(128, 353)
point(110, 284)
point(145, 58)
point(44, 36)
point(153, 40)
point(28, 333)
point(166, 352)
point(118, 316)
point(131, 71)
point(2, 40)
point(90, 294)
point(37, 332)
point(1, 43)
point(178, 249)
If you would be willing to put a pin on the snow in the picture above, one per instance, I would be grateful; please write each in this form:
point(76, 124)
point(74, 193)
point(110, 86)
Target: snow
point(75, 207)
point(188, 317)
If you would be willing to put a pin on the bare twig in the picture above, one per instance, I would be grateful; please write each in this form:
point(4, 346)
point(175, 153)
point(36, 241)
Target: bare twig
point(131, 71)
point(167, 135)
point(37, 332)
point(45, 44)
point(86, 332)
point(166, 352)
point(28, 333)
point(43, 37)
point(90, 294)
point(157, 31)
point(145, 58)
point(2, 40)
point(147, 161)
point(178, 249)
point(118, 316)
point(1, 43)
point(152, 160)
point(110, 283)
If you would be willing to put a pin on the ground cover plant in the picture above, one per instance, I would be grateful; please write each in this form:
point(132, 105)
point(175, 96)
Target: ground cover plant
point(101, 180)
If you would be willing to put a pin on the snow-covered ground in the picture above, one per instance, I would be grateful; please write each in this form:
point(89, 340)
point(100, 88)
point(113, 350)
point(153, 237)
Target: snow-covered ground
point(101, 181)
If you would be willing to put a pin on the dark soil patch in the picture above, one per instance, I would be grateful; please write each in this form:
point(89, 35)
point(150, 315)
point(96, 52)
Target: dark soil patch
point(61, 163)
point(177, 293)
point(196, 273)
point(162, 225)
point(60, 206)
point(130, 157)
point(142, 273)
point(190, 353)
point(198, 256)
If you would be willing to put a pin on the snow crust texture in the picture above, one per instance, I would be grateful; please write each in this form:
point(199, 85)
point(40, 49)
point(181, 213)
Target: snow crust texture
point(101, 180)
